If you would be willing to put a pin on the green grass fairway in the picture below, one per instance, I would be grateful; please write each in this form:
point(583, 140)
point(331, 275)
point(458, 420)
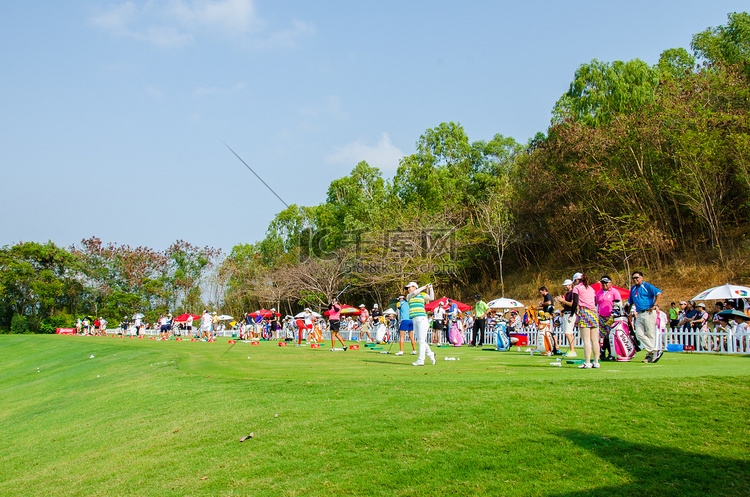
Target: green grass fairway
point(145, 418)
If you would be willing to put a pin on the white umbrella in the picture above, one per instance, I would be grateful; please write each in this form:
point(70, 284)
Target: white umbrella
point(504, 303)
point(724, 292)
point(138, 316)
point(225, 317)
point(303, 314)
point(389, 311)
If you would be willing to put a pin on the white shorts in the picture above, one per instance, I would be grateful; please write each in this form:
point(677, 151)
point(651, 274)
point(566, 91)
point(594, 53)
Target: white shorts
point(568, 323)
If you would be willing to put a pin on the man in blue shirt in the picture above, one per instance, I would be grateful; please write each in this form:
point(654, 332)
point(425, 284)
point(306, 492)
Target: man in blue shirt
point(405, 324)
point(645, 297)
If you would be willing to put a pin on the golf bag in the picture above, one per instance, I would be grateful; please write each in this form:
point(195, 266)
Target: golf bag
point(501, 336)
point(266, 333)
point(622, 343)
point(380, 331)
point(545, 339)
point(455, 336)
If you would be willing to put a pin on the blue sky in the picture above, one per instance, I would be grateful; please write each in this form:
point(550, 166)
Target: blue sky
point(114, 113)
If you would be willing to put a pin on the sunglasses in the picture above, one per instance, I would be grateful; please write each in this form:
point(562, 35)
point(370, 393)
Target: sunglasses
point(637, 277)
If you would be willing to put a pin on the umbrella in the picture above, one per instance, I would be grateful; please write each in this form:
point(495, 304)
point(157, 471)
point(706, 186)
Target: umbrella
point(443, 302)
point(224, 317)
point(505, 303)
point(389, 311)
point(138, 316)
point(733, 313)
point(264, 313)
point(304, 314)
point(624, 294)
point(724, 292)
point(347, 309)
point(184, 317)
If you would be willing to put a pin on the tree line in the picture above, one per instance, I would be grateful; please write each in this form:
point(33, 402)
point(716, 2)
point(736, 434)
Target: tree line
point(640, 165)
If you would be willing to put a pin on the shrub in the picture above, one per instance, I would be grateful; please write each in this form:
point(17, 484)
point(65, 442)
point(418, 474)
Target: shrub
point(19, 324)
point(49, 325)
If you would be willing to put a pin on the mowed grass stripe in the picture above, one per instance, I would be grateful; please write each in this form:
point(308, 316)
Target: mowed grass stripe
point(361, 423)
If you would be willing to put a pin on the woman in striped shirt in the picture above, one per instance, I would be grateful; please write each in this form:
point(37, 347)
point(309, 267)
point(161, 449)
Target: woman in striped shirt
point(417, 299)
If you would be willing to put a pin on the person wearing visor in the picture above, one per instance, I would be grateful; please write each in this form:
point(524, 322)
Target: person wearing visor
point(645, 297)
point(568, 316)
point(417, 298)
point(605, 303)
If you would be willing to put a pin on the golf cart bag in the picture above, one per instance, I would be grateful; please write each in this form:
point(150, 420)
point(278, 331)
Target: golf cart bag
point(545, 339)
point(380, 332)
point(501, 336)
point(455, 336)
point(266, 333)
point(620, 340)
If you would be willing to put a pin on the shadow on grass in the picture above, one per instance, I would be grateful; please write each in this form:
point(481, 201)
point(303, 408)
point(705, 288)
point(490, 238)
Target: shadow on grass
point(658, 470)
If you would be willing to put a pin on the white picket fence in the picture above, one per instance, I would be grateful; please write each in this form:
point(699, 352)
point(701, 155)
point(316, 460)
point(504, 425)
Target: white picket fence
point(721, 341)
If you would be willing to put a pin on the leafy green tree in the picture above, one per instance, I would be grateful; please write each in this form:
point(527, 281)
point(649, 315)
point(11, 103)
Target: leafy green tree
point(600, 91)
point(726, 45)
point(186, 264)
point(35, 276)
point(676, 63)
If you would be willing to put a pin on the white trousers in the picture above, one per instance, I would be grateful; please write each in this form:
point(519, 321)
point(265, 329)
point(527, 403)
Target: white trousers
point(645, 330)
point(421, 327)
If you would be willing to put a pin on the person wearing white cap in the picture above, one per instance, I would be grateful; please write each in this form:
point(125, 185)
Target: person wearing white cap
point(205, 327)
point(417, 299)
point(309, 325)
point(364, 323)
point(568, 317)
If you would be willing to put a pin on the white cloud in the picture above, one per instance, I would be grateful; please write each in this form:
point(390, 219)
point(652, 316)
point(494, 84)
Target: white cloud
point(204, 91)
point(329, 107)
point(384, 155)
point(178, 23)
point(286, 38)
point(237, 16)
point(155, 93)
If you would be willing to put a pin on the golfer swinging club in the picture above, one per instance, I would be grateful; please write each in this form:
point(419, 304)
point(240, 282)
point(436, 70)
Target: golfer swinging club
point(417, 299)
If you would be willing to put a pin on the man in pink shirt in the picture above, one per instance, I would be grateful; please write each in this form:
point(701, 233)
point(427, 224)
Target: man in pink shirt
point(605, 302)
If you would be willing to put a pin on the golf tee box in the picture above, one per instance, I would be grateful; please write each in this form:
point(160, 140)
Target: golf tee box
point(315, 346)
point(354, 347)
point(675, 347)
point(193, 339)
point(179, 339)
point(254, 343)
point(211, 339)
point(282, 344)
point(232, 341)
point(369, 345)
point(689, 348)
point(152, 338)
